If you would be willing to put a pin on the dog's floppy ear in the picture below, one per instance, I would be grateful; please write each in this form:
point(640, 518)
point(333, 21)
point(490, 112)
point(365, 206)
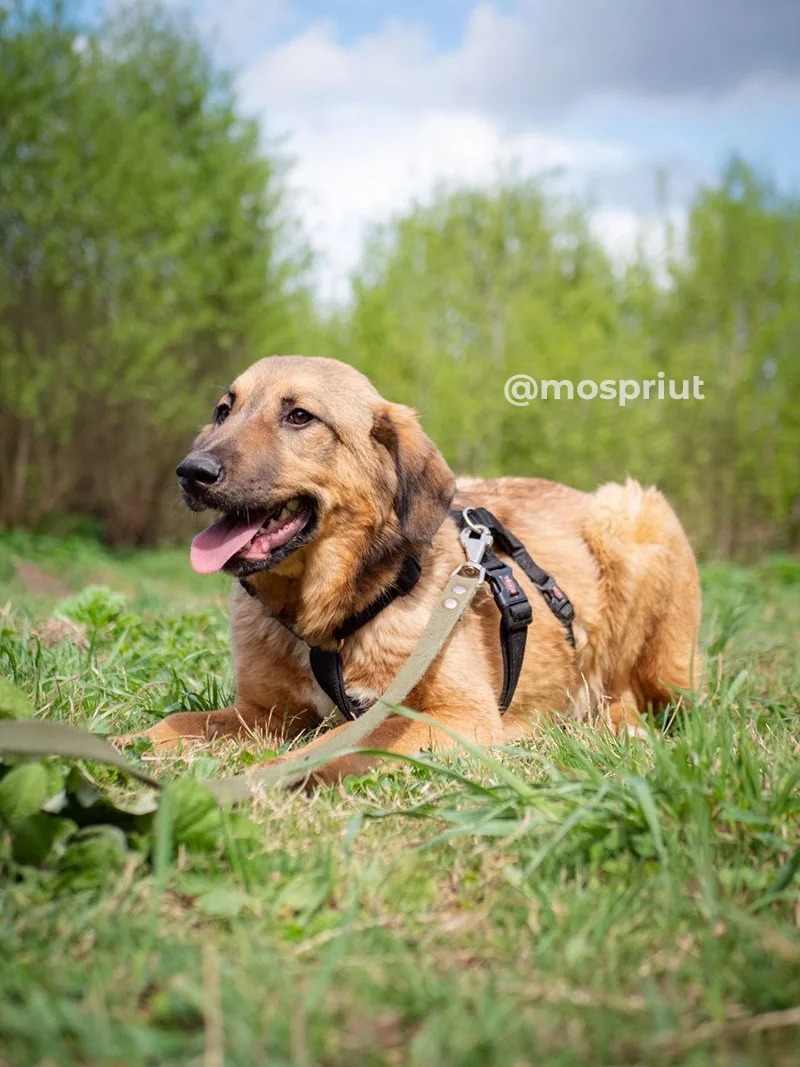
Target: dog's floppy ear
point(425, 484)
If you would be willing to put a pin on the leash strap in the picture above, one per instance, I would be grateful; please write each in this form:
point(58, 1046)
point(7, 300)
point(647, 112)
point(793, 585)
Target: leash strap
point(453, 602)
point(42, 738)
point(552, 594)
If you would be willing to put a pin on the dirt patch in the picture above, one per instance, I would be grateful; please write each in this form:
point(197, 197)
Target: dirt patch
point(39, 581)
point(56, 630)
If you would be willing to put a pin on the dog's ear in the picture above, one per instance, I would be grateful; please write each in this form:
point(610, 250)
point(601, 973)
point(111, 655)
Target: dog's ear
point(425, 484)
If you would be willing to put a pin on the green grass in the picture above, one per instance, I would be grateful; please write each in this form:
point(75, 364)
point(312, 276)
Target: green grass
point(593, 902)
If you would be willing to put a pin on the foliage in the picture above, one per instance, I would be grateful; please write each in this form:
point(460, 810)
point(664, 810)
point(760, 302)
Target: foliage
point(144, 257)
point(148, 255)
point(56, 819)
point(732, 317)
point(578, 899)
point(456, 296)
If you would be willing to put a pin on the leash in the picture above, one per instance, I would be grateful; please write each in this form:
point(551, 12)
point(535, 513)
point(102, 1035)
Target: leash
point(42, 738)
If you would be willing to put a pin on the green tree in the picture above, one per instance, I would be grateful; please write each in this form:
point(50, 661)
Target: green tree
point(145, 259)
point(733, 317)
point(454, 298)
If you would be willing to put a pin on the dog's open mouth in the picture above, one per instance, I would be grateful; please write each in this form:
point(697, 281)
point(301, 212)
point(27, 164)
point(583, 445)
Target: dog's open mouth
point(244, 543)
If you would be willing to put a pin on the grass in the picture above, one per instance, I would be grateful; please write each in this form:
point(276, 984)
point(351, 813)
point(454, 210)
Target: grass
point(586, 901)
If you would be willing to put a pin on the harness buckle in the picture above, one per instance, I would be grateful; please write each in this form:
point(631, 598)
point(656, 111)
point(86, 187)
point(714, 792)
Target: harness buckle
point(510, 598)
point(556, 600)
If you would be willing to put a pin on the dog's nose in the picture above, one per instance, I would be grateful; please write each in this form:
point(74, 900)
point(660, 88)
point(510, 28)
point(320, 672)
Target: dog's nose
point(198, 469)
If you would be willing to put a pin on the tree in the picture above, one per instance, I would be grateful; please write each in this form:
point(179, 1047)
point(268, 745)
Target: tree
point(144, 259)
point(733, 318)
point(455, 297)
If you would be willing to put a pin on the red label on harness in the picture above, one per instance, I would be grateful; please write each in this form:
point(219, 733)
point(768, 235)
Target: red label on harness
point(510, 584)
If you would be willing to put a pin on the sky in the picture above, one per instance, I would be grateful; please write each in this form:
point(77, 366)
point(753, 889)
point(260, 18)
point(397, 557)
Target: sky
point(377, 101)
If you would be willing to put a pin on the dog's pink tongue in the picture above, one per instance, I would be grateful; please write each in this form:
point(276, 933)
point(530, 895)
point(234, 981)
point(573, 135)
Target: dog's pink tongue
point(212, 548)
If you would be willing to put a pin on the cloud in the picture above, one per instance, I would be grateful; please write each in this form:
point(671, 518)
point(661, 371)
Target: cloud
point(238, 30)
point(377, 122)
point(546, 56)
point(358, 164)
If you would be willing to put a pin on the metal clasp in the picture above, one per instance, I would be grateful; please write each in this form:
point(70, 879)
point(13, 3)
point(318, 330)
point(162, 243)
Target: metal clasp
point(475, 538)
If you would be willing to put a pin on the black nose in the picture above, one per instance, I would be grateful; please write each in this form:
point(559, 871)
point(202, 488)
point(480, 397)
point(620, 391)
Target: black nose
point(198, 469)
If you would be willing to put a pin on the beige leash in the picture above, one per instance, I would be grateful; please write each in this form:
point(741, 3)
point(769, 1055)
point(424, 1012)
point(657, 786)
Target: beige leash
point(41, 738)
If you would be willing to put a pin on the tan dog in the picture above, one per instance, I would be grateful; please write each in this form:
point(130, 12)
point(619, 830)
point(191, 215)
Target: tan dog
point(325, 489)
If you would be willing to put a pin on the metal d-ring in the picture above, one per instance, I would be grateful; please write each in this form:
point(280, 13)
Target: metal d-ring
point(476, 527)
point(475, 539)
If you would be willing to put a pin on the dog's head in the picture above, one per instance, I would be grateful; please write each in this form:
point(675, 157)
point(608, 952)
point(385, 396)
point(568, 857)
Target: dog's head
point(303, 452)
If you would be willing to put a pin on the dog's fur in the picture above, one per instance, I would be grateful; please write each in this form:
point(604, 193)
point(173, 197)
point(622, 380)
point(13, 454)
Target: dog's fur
point(383, 490)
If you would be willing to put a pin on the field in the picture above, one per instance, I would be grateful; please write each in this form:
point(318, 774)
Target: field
point(585, 901)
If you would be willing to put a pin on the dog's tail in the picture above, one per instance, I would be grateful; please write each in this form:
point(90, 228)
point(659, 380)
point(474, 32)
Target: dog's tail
point(650, 589)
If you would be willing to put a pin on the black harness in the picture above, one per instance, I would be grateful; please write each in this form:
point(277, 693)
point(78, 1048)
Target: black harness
point(513, 604)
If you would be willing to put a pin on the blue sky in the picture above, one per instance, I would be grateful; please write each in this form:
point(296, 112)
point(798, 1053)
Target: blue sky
point(445, 19)
point(381, 100)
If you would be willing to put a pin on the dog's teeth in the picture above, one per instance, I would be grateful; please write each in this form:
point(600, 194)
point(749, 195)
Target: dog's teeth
point(293, 505)
point(283, 515)
point(272, 522)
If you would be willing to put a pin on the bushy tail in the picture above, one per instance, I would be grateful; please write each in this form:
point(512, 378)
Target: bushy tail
point(650, 588)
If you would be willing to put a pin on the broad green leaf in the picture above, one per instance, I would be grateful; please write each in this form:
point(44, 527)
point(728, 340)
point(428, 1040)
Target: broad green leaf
point(303, 894)
point(92, 857)
point(222, 903)
point(33, 838)
point(14, 704)
point(23, 791)
point(195, 815)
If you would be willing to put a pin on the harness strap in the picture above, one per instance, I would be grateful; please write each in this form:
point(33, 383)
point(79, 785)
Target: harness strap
point(326, 665)
point(558, 602)
point(515, 618)
point(406, 579)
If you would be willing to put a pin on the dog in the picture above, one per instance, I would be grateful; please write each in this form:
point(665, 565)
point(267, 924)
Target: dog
point(324, 489)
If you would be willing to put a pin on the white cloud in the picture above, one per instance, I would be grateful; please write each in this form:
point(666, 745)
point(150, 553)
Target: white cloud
point(359, 164)
point(376, 125)
point(234, 27)
point(545, 56)
point(313, 68)
point(626, 234)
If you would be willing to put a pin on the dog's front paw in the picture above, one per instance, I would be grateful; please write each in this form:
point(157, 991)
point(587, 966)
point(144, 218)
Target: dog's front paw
point(172, 733)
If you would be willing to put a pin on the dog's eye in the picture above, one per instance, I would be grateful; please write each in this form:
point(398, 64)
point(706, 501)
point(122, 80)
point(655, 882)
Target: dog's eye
point(299, 417)
point(221, 412)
